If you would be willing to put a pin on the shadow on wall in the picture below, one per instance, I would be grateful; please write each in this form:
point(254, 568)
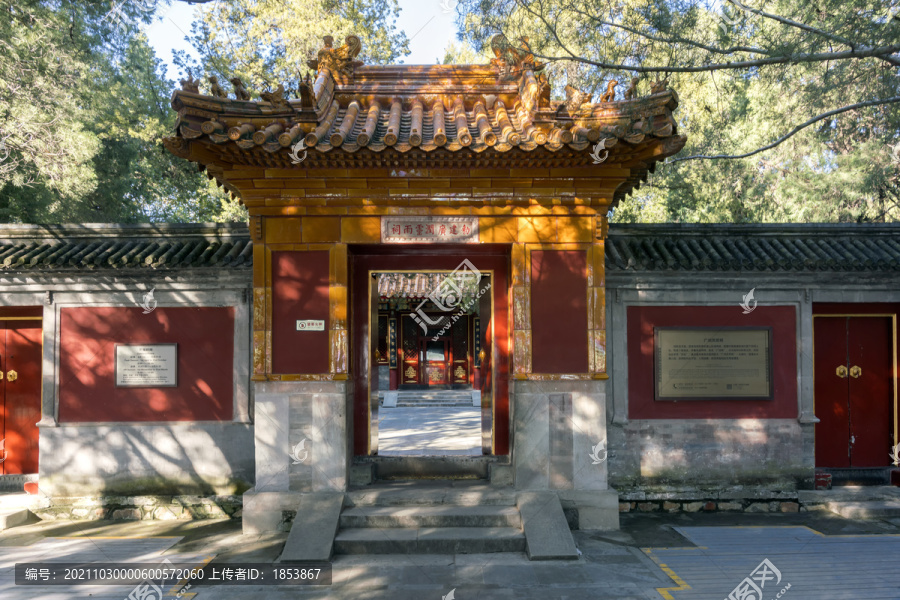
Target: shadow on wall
point(135, 459)
point(712, 453)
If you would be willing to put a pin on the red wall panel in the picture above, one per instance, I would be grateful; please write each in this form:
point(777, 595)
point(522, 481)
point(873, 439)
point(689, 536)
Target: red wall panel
point(300, 292)
point(559, 319)
point(642, 320)
point(87, 390)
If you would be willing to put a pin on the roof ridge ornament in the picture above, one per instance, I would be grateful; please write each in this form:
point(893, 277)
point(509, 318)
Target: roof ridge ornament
point(307, 94)
point(276, 98)
point(339, 61)
point(512, 60)
point(575, 98)
point(190, 84)
point(240, 92)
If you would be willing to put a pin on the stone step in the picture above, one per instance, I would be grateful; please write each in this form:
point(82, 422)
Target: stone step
point(424, 493)
point(432, 403)
point(474, 468)
point(430, 516)
point(429, 540)
point(873, 509)
point(441, 394)
point(435, 399)
point(13, 517)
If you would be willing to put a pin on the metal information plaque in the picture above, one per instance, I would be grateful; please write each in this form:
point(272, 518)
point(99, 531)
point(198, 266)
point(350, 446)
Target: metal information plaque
point(146, 365)
point(704, 363)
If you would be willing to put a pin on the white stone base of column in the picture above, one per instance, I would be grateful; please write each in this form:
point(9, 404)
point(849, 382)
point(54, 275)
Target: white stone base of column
point(264, 512)
point(597, 509)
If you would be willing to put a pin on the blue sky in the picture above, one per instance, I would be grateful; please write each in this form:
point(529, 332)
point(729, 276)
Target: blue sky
point(426, 22)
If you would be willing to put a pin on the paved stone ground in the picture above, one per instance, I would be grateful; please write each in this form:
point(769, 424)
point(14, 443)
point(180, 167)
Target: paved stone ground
point(422, 430)
point(655, 556)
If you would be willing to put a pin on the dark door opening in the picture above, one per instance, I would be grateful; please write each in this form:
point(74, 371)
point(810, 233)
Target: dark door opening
point(401, 346)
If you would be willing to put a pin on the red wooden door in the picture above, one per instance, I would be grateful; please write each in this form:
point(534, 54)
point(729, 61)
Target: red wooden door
point(853, 390)
point(20, 395)
point(870, 374)
point(436, 358)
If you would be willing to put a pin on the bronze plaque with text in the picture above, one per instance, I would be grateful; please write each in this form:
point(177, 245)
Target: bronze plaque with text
point(705, 363)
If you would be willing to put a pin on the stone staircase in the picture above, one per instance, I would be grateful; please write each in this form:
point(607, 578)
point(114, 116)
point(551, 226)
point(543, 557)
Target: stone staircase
point(429, 517)
point(407, 519)
point(428, 398)
point(14, 510)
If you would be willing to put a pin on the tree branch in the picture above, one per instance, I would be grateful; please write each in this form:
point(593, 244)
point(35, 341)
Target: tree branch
point(792, 23)
point(674, 40)
point(882, 52)
point(792, 132)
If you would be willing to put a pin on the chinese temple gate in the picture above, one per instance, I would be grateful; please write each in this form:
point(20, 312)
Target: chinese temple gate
point(379, 184)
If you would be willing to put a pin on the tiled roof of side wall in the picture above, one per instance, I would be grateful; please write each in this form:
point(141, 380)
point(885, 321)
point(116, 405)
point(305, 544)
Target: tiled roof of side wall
point(763, 247)
point(629, 248)
point(146, 246)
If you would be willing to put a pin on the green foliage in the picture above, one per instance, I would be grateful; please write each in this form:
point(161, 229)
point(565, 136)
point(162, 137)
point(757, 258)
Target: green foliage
point(464, 54)
point(268, 43)
point(83, 108)
point(838, 169)
point(84, 102)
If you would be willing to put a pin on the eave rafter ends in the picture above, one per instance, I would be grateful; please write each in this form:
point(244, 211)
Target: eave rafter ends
point(500, 112)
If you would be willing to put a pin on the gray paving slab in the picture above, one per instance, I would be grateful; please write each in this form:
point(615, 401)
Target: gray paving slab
point(86, 549)
point(815, 566)
point(429, 431)
point(654, 557)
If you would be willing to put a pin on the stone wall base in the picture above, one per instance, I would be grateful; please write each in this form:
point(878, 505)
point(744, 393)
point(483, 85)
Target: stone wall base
point(138, 508)
point(749, 505)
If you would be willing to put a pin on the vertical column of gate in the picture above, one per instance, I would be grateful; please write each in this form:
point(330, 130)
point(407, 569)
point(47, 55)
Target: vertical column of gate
point(521, 305)
point(486, 341)
point(597, 301)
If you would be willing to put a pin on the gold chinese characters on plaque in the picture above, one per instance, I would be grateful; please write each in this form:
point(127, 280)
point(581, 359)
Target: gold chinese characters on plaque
point(429, 230)
point(706, 363)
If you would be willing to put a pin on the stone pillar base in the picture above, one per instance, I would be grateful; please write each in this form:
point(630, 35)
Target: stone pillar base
point(267, 512)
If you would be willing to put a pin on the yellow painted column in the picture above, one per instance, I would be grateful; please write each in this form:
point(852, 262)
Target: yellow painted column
point(261, 297)
point(597, 302)
point(520, 300)
point(338, 311)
